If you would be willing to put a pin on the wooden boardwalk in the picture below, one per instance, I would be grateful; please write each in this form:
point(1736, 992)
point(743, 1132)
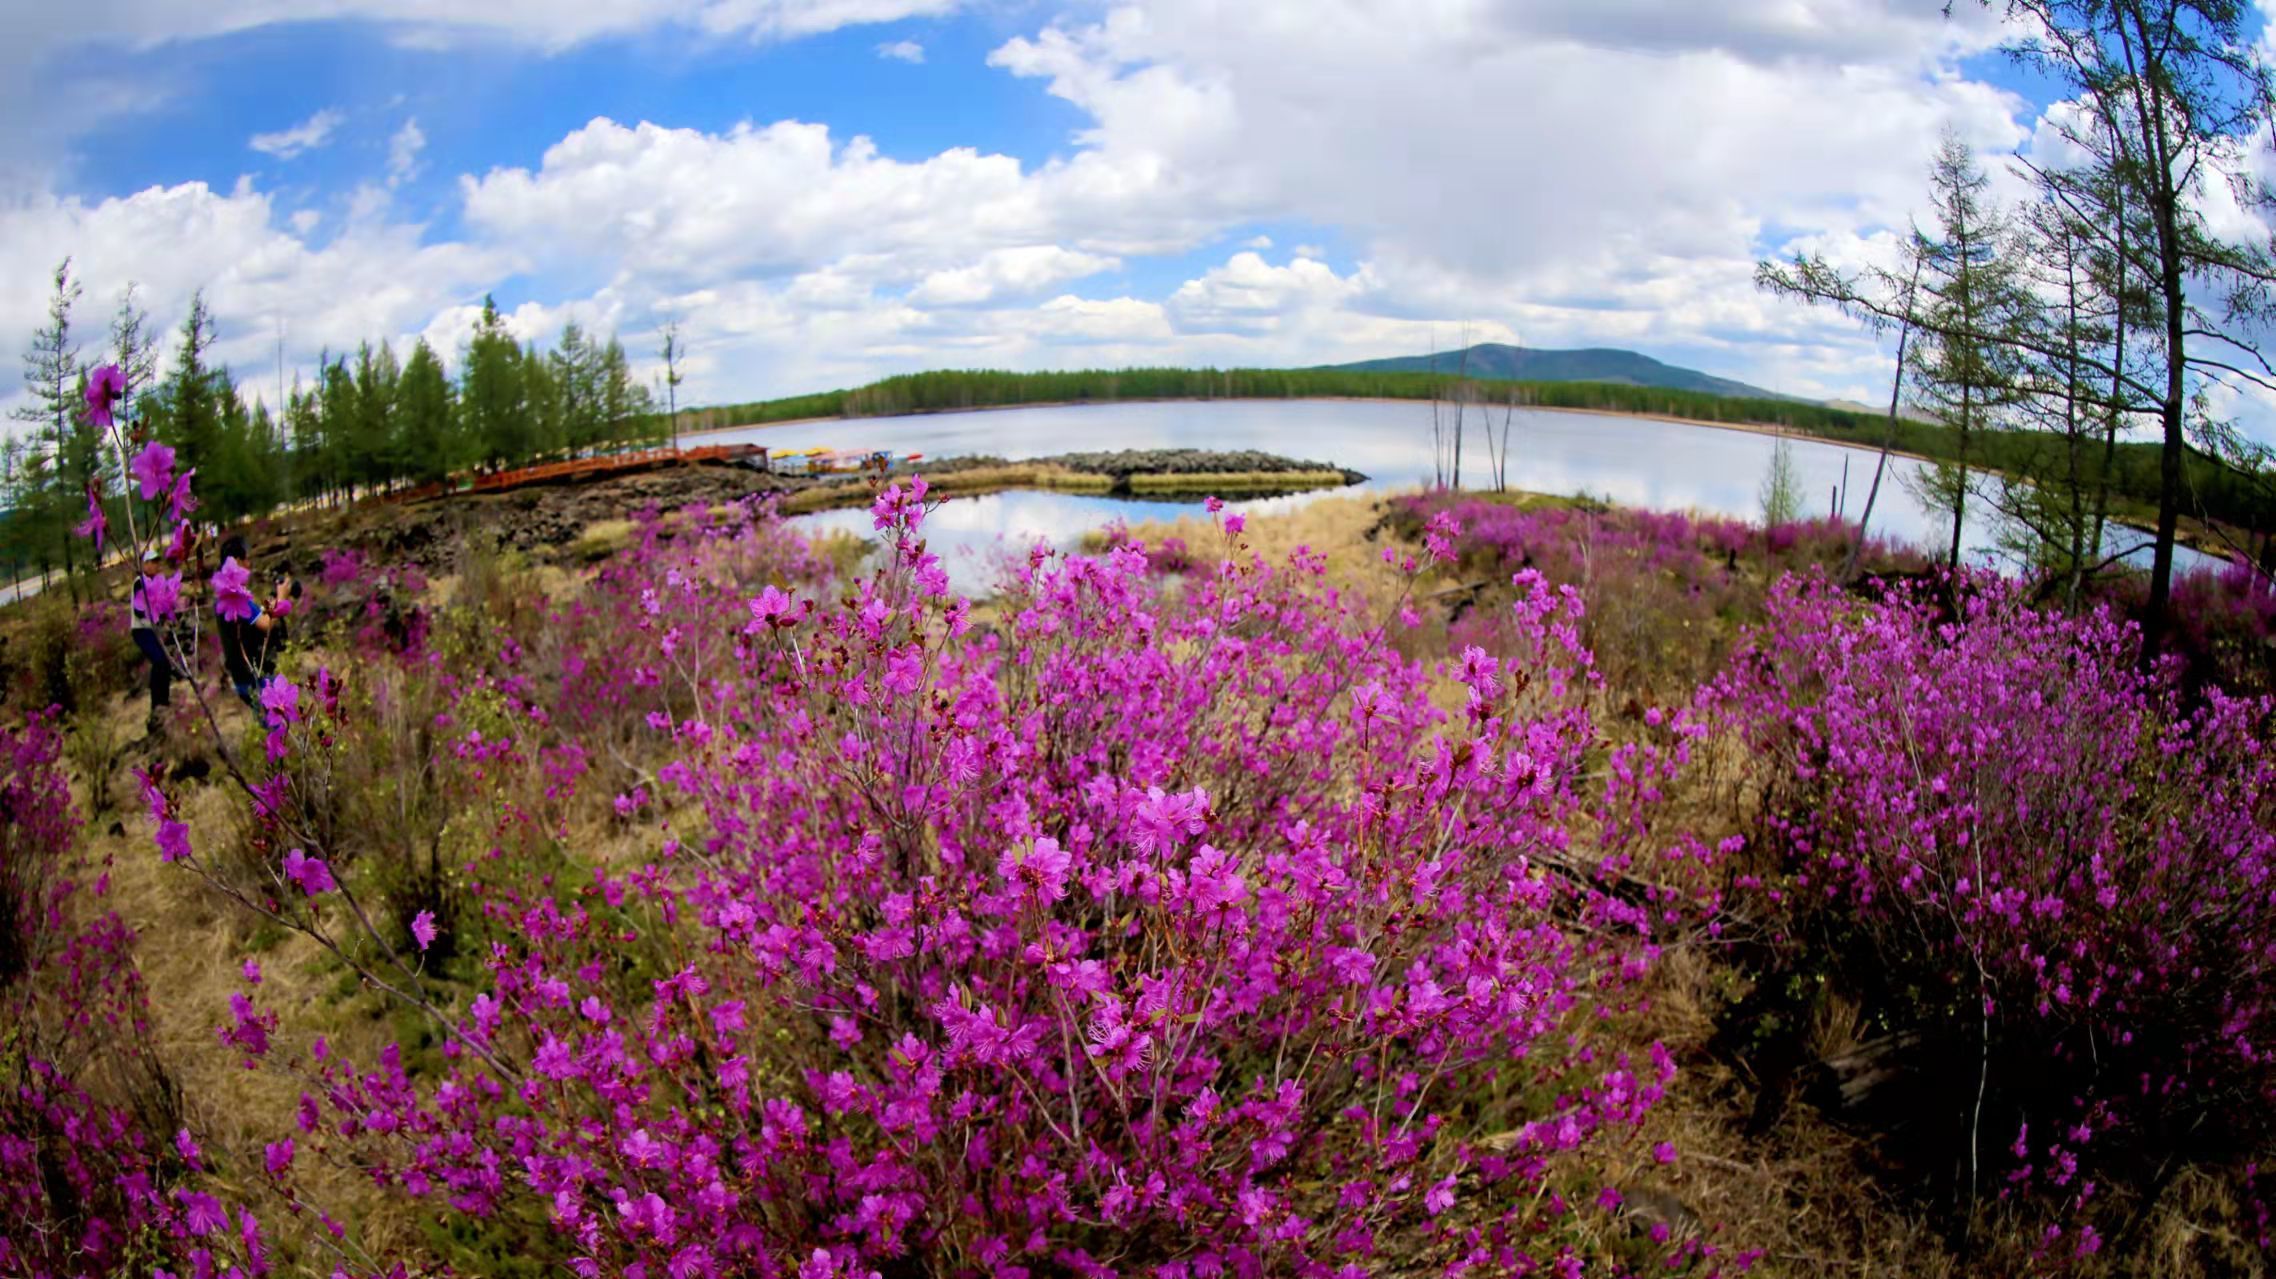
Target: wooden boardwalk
point(577, 468)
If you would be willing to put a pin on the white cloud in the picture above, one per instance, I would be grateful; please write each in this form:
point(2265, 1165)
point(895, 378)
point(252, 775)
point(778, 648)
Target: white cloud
point(547, 24)
point(1027, 270)
point(687, 207)
point(1070, 319)
point(403, 150)
point(308, 135)
point(902, 51)
point(1674, 136)
point(1577, 172)
point(373, 279)
point(1249, 295)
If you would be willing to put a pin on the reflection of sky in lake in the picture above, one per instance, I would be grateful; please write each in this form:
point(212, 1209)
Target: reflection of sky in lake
point(1634, 461)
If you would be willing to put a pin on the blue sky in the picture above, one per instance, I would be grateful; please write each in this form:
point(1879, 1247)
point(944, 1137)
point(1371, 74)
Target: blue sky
point(1038, 185)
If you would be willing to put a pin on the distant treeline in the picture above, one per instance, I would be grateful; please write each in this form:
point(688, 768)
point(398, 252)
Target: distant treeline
point(987, 388)
point(2221, 493)
point(370, 423)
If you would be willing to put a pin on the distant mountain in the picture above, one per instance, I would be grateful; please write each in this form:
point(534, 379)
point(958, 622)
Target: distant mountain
point(1492, 360)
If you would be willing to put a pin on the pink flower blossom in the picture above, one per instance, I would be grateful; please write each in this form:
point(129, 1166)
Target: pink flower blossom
point(97, 524)
point(309, 874)
point(105, 386)
point(280, 697)
point(1037, 870)
point(162, 595)
point(232, 591)
point(173, 840)
point(179, 500)
point(153, 469)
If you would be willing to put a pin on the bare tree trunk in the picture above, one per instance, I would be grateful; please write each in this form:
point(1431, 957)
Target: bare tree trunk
point(1889, 439)
point(1461, 396)
point(2076, 483)
point(2117, 392)
point(2173, 285)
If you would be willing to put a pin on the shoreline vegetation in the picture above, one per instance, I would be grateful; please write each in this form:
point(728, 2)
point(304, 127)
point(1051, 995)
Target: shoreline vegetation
point(480, 659)
point(1164, 474)
point(2222, 494)
point(586, 517)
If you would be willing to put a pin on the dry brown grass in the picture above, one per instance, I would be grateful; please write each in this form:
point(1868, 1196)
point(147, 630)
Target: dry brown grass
point(1227, 483)
point(601, 539)
point(1803, 1192)
point(1344, 530)
point(191, 949)
point(978, 479)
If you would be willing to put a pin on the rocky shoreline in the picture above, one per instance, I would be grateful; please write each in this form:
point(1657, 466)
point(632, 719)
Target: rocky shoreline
point(546, 522)
point(1199, 463)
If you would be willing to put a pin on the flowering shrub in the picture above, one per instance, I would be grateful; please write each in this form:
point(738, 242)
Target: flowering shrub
point(1664, 590)
point(95, 1169)
point(1136, 931)
point(2225, 620)
point(36, 826)
point(2060, 870)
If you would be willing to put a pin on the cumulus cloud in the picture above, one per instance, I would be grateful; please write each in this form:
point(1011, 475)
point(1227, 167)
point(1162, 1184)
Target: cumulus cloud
point(403, 150)
point(308, 135)
point(686, 206)
point(1575, 171)
point(373, 279)
point(902, 51)
point(1250, 295)
point(999, 273)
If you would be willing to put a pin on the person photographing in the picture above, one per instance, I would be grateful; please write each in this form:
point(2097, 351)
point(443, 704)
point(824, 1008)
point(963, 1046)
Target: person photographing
point(154, 596)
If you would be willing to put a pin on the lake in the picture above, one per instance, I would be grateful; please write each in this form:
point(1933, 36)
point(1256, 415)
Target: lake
point(1630, 460)
point(1633, 461)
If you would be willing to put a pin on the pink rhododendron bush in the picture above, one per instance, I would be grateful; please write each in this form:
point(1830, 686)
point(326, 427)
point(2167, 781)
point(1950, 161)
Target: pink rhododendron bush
point(2049, 873)
point(97, 1174)
point(1666, 591)
point(1130, 927)
point(713, 911)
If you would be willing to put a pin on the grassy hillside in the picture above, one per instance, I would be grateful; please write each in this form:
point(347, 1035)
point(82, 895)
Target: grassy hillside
point(1494, 361)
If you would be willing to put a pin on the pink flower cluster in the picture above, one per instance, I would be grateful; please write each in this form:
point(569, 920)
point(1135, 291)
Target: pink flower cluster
point(2071, 867)
point(87, 1184)
point(1145, 929)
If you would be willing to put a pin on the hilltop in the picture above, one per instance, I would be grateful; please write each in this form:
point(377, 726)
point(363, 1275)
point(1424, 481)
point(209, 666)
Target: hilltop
point(1495, 361)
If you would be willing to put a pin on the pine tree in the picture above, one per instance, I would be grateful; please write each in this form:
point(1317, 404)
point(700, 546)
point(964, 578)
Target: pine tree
point(304, 437)
point(624, 402)
point(335, 397)
point(577, 375)
point(187, 413)
point(59, 468)
point(541, 405)
point(1975, 307)
point(370, 422)
point(425, 438)
point(490, 395)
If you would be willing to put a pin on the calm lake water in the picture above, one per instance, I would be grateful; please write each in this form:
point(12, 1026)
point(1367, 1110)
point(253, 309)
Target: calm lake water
point(1632, 461)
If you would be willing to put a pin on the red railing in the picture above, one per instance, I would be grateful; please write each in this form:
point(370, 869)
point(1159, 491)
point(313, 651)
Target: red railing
point(574, 468)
